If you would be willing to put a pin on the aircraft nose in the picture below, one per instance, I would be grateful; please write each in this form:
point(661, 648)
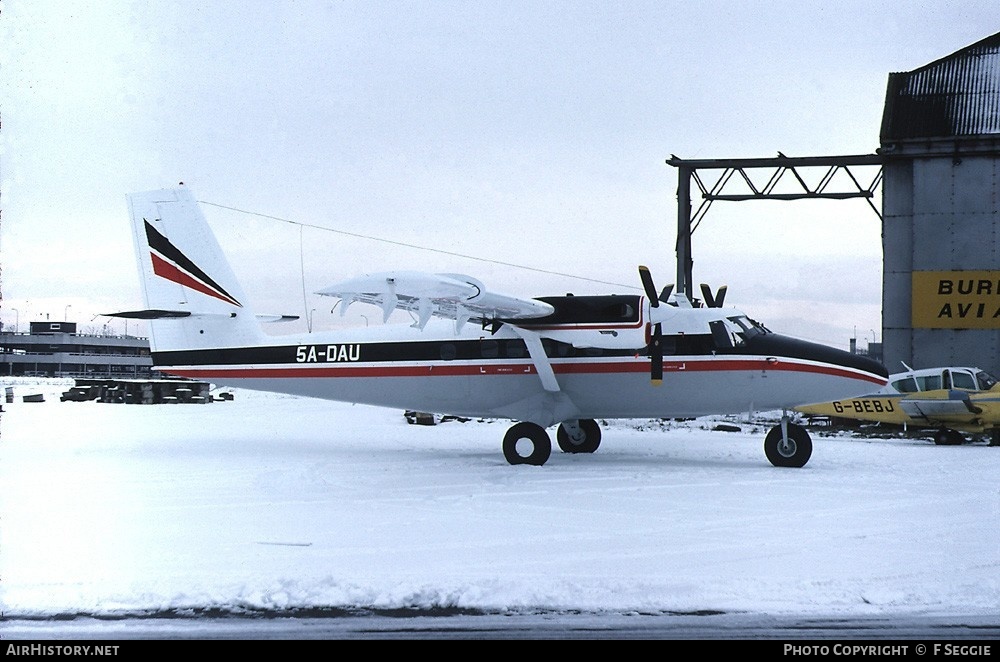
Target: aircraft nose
point(779, 346)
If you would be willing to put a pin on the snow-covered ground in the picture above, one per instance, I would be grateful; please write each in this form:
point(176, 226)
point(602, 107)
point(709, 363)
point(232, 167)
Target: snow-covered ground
point(277, 503)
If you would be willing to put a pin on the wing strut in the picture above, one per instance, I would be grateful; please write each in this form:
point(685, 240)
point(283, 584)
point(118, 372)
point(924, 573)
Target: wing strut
point(538, 357)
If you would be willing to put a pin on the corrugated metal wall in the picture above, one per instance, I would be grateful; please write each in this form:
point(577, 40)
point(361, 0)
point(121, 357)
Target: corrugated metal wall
point(941, 200)
point(956, 96)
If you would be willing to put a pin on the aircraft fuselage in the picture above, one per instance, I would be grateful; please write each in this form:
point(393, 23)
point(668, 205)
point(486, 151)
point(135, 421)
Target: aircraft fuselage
point(478, 373)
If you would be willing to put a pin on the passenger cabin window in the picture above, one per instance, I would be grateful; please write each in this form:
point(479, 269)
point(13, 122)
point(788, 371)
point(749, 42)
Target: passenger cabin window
point(515, 349)
point(929, 383)
point(906, 385)
point(963, 380)
point(553, 348)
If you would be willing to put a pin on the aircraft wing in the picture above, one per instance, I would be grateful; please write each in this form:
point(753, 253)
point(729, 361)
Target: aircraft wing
point(941, 407)
point(452, 296)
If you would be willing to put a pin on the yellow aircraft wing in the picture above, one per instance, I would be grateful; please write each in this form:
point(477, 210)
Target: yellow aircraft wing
point(966, 411)
point(940, 407)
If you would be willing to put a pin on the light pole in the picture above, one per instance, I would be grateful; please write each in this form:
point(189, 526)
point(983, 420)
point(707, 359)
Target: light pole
point(66, 311)
point(17, 318)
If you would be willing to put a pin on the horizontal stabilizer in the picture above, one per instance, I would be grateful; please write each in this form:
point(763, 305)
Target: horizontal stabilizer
point(149, 314)
point(177, 314)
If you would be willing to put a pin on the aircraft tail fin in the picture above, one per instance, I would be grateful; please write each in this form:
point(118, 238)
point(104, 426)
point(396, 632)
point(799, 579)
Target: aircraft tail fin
point(193, 299)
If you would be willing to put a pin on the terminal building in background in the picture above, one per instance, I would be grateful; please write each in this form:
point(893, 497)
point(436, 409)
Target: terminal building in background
point(55, 349)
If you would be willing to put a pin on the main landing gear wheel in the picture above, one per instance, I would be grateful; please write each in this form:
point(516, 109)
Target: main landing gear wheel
point(794, 453)
point(527, 443)
point(583, 436)
point(945, 437)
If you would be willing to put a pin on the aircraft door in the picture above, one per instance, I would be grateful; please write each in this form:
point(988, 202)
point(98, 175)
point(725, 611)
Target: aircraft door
point(963, 380)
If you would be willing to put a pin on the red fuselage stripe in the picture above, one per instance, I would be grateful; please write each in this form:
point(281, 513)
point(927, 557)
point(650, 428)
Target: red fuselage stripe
point(453, 370)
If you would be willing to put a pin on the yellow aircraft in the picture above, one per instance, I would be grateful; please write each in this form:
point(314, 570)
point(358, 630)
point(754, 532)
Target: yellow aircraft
point(955, 400)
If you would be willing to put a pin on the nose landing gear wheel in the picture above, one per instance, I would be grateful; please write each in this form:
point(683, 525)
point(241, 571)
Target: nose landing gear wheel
point(527, 443)
point(793, 453)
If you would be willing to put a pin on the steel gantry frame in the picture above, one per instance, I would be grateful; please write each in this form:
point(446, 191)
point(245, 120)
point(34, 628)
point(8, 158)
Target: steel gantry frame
point(783, 168)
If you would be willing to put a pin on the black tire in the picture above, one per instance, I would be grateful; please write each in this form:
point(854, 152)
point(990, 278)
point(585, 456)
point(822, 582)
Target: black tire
point(589, 441)
point(541, 445)
point(795, 454)
point(945, 437)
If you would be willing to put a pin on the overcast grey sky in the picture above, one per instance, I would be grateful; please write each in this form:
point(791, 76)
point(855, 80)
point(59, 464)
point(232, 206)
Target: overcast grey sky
point(525, 132)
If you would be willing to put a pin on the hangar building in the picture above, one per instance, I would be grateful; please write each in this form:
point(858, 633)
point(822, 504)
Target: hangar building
point(940, 149)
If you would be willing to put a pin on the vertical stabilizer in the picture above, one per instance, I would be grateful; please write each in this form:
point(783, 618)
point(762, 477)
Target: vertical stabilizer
point(192, 297)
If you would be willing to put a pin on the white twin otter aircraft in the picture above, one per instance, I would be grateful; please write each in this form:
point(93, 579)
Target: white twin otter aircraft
point(551, 361)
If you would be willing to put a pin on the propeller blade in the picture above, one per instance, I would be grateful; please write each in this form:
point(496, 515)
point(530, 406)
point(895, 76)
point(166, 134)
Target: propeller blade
point(706, 295)
point(716, 300)
point(665, 294)
point(656, 355)
point(647, 285)
point(720, 296)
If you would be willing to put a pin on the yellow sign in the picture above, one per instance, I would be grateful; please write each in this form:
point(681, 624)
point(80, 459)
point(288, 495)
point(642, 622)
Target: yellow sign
point(956, 299)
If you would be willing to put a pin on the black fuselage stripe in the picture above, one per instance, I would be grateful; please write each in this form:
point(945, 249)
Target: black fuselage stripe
point(491, 350)
point(382, 352)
